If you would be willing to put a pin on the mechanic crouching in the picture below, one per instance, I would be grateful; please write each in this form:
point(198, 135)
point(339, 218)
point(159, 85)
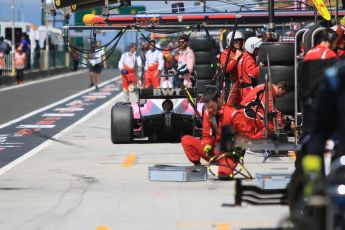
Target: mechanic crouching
point(248, 119)
point(154, 66)
point(216, 116)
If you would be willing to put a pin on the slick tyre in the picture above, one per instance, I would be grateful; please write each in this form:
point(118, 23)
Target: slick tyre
point(278, 73)
point(203, 58)
point(201, 85)
point(204, 72)
point(121, 123)
point(279, 53)
point(201, 44)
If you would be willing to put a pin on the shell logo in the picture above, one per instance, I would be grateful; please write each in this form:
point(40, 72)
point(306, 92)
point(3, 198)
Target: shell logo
point(74, 7)
point(57, 2)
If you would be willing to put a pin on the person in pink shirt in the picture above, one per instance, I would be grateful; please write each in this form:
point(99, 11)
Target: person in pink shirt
point(2, 63)
point(19, 60)
point(186, 62)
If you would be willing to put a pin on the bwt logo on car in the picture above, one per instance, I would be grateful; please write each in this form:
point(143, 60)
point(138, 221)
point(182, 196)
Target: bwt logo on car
point(166, 92)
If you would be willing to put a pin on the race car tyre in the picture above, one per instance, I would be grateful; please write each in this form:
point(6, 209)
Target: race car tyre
point(204, 72)
point(286, 104)
point(278, 73)
point(201, 44)
point(307, 43)
point(279, 53)
point(201, 85)
point(121, 123)
point(203, 58)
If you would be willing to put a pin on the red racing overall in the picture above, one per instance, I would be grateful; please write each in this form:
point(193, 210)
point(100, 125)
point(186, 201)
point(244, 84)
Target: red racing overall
point(248, 73)
point(152, 76)
point(320, 53)
point(211, 134)
point(128, 78)
point(249, 120)
point(231, 69)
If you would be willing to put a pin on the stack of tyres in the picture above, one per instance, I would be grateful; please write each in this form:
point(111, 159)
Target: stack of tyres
point(203, 62)
point(281, 56)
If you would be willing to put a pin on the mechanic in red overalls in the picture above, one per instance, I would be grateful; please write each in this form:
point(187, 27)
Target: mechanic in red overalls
point(154, 66)
point(248, 120)
point(248, 71)
point(231, 68)
point(216, 116)
point(324, 50)
point(127, 64)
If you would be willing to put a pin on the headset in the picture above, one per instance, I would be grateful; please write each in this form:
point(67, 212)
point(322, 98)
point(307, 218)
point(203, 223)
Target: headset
point(328, 35)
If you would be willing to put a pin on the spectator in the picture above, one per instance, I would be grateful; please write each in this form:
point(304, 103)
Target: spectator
point(186, 62)
point(2, 63)
point(19, 64)
point(5, 48)
point(28, 52)
point(37, 55)
point(97, 60)
point(75, 59)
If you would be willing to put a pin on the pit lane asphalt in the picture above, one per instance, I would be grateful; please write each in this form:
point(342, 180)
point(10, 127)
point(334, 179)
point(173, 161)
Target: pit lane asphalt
point(93, 184)
point(16, 101)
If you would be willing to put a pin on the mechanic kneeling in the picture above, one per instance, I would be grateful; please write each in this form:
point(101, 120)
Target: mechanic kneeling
point(216, 116)
point(248, 118)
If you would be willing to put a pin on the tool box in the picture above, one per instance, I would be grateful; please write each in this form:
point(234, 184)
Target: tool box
point(273, 180)
point(177, 173)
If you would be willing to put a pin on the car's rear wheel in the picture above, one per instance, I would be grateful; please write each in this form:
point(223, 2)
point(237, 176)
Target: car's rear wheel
point(121, 123)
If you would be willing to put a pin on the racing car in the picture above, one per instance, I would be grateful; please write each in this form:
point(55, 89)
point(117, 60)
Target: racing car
point(167, 115)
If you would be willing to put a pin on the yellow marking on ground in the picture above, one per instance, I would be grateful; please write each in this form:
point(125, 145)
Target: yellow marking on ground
point(223, 226)
point(129, 161)
point(103, 227)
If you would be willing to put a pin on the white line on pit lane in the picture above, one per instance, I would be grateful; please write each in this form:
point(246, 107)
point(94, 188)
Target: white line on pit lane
point(68, 109)
point(35, 126)
point(43, 80)
point(48, 142)
point(56, 103)
point(58, 115)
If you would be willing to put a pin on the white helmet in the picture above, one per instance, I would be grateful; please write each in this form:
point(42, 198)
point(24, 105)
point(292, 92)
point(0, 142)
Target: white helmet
point(252, 43)
point(238, 35)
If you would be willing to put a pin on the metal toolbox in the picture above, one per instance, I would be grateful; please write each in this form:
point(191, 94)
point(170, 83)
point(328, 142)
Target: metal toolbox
point(273, 180)
point(177, 173)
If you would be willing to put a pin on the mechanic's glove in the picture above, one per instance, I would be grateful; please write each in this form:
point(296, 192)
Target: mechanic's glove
point(208, 151)
point(271, 115)
point(124, 71)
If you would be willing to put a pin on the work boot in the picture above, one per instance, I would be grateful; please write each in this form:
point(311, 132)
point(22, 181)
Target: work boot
point(91, 84)
point(196, 163)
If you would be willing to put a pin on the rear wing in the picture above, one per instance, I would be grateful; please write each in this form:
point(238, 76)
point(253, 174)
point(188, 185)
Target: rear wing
point(164, 93)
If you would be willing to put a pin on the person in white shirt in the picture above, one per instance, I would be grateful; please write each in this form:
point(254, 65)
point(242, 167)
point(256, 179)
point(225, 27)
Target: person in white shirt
point(154, 66)
point(97, 60)
point(127, 66)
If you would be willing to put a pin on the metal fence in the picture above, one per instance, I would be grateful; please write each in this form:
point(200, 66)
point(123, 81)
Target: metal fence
point(39, 61)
